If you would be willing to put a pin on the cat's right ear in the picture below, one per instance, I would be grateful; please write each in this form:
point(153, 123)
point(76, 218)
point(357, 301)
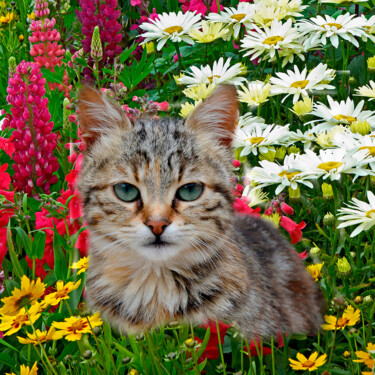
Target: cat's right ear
point(98, 115)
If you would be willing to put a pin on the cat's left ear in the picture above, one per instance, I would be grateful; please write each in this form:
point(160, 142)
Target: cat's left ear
point(217, 115)
point(99, 115)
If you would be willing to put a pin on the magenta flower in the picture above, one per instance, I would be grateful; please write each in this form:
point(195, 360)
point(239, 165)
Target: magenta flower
point(45, 49)
point(34, 141)
point(103, 14)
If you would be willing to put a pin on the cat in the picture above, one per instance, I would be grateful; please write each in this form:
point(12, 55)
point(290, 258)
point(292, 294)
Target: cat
point(165, 243)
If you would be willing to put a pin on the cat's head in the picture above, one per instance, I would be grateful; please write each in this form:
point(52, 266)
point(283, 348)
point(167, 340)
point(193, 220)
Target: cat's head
point(157, 188)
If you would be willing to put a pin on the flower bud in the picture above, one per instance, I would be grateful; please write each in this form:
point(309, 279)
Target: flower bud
point(12, 66)
point(189, 343)
point(66, 113)
point(358, 300)
point(171, 356)
point(343, 267)
point(303, 107)
point(87, 354)
point(280, 153)
point(367, 300)
point(133, 372)
point(294, 194)
point(125, 360)
point(371, 64)
point(294, 150)
point(339, 303)
point(327, 191)
point(328, 219)
point(286, 209)
point(353, 254)
point(96, 45)
point(360, 127)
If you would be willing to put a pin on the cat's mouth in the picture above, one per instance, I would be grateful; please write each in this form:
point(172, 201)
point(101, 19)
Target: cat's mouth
point(158, 243)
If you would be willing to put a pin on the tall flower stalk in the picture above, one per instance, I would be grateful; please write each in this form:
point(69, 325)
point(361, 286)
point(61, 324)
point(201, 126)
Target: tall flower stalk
point(33, 138)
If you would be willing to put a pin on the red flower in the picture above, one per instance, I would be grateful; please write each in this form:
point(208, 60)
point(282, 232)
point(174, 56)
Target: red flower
point(7, 145)
point(243, 208)
point(3, 244)
point(4, 177)
point(212, 351)
point(6, 213)
point(287, 209)
point(292, 228)
point(303, 255)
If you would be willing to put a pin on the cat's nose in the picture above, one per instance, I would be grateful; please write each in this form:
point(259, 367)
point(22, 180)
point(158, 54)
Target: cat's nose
point(157, 226)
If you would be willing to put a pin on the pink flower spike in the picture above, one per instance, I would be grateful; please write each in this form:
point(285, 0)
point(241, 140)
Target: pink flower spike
point(134, 3)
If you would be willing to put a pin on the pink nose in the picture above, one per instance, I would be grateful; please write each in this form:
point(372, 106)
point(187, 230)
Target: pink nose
point(157, 226)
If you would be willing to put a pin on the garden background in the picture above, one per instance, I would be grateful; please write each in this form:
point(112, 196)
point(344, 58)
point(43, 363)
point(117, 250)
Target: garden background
point(304, 158)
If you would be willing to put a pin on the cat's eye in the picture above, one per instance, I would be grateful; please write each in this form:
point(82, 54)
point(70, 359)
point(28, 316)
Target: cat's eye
point(189, 192)
point(126, 192)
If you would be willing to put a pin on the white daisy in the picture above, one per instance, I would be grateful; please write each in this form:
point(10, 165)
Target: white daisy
point(346, 26)
point(170, 26)
point(270, 173)
point(301, 83)
point(306, 138)
point(344, 113)
point(267, 41)
point(255, 196)
point(358, 213)
point(249, 120)
point(369, 28)
point(331, 163)
point(260, 138)
point(367, 91)
point(210, 32)
point(267, 11)
point(234, 18)
point(255, 93)
point(219, 73)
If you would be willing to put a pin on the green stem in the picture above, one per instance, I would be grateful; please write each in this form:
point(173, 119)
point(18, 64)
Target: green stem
point(273, 357)
point(332, 346)
point(179, 56)
point(220, 347)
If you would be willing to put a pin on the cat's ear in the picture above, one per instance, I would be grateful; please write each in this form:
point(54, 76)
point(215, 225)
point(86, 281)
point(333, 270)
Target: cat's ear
point(99, 115)
point(217, 115)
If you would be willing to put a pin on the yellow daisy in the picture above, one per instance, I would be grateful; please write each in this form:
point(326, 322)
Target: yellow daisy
point(315, 270)
point(187, 108)
point(255, 93)
point(81, 265)
point(73, 327)
point(25, 370)
point(349, 318)
point(42, 336)
point(210, 32)
point(62, 293)
point(200, 91)
point(9, 17)
point(365, 357)
point(310, 364)
point(28, 294)
point(14, 323)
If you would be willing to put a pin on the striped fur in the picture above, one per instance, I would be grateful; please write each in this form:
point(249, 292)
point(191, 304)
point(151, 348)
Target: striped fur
point(217, 265)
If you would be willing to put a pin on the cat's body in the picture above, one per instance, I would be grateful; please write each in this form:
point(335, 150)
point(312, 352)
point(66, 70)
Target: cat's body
point(159, 257)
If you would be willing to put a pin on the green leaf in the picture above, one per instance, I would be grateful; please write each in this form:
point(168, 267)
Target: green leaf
point(39, 244)
point(25, 240)
point(8, 345)
point(204, 343)
point(126, 53)
point(56, 76)
point(61, 264)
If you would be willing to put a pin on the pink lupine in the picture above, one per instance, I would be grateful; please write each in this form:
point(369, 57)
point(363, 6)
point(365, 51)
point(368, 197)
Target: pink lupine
point(34, 141)
point(104, 15)
point(45, 49)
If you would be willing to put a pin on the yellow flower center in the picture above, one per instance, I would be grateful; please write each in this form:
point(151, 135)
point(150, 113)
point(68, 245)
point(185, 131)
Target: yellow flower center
point(329, 165)
point(370, 214)
point(332, 24)
point(342, 322)
point(62, 293)
point(308, 364)
point(238, 17)
point(255, 140)
point(301, 84)
point(289, 175)
point(212, 77)
point(273, 40)
point(79, 325)
point(348, 119)
point(173, 29)
point(19, 321)
point(370, 148)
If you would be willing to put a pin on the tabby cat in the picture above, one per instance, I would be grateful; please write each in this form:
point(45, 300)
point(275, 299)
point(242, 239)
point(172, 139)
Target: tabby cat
point(165, 242)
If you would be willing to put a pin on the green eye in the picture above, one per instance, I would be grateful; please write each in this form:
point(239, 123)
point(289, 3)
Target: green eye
point(126, 192)
point(190, 192)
